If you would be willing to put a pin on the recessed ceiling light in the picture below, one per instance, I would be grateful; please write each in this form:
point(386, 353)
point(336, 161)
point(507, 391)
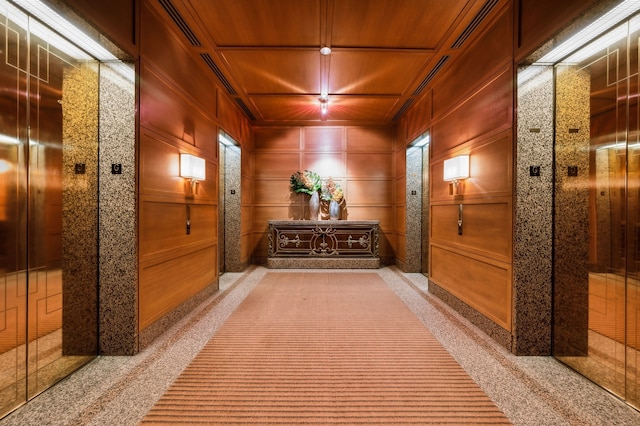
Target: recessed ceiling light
point(325, 51)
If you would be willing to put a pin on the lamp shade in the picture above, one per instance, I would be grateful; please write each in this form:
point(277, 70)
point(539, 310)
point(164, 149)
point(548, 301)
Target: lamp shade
point(456, 168)
point(192, 167)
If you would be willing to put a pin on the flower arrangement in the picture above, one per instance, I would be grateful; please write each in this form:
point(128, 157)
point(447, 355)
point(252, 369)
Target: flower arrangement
point(331, 191)
point(307, 182)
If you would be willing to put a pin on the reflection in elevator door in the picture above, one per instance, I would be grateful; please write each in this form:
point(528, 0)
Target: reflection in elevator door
point(48, 211)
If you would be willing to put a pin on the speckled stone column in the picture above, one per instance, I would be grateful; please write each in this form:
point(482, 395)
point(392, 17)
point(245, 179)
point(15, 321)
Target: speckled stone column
point(232, 211)
point(532, 245)
point(413, 221)
point(80, 209)
point(118, 229)
point(571, 284)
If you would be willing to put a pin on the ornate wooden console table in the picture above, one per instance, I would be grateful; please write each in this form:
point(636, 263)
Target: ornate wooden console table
point(323, 244)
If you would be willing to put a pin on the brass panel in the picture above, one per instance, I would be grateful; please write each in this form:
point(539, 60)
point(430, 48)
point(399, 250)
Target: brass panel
point(483, 285)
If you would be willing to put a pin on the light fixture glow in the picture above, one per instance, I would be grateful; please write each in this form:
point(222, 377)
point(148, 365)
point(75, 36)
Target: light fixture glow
point(456, 168)
point(192, 167)
point(421, 141)
point(324, 104)
point(65, 28)
point(226, 140)
point(591, 31)
point(325, 51)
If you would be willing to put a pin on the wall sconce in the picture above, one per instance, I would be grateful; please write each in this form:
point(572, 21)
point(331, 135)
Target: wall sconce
point(456, 169)
point(192, 168)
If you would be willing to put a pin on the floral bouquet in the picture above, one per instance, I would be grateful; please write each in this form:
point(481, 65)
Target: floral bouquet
point(307, 182)
point(332, 191)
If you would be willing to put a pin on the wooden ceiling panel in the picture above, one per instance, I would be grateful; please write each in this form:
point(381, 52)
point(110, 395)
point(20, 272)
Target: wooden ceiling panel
point(377, 73)
point(341, 108)
point(266, 53)
point(275, 71)
point(261, 22)
point(408, 24)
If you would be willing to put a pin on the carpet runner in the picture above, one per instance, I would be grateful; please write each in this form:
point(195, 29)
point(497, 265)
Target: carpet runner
point(334, 348)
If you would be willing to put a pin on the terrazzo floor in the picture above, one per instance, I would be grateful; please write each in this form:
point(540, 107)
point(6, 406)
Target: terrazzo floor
point(120, 390)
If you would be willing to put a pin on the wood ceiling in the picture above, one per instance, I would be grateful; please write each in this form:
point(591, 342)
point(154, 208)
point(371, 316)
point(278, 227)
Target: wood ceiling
point(385, 53)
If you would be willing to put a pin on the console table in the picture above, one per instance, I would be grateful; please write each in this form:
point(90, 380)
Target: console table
point(323, 244)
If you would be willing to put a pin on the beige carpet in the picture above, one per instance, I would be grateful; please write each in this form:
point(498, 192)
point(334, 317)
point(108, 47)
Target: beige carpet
point(324, 348)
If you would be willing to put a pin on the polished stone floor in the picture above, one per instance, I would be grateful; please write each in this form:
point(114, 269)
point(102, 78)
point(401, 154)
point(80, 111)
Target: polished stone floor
point(529, 390)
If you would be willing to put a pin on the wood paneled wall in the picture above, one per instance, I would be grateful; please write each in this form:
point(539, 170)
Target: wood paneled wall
point(117, 19)
point(473, 114)
point(361, 159)
point(469, 110)
point(181, 111)
point(538, 20)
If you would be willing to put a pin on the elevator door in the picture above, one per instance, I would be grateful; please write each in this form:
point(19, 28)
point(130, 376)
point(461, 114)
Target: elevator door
point(597, 219)
point(47, 199)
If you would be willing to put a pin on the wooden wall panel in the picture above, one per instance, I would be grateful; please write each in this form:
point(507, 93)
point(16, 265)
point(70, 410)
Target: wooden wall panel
point(488, 111)
point(116, 19)
point(371, 166)
point(538, 20)
point(384, 214)
point(163, 227)
point(417, 119)
point(273, 164)
point(230, 118)
point(360, 159)
point(477, 64)
point(273, 191)
point(319, 139)
point(166, 109)
point(490, 170)
point(483, 284)
point(486, 228)
point(277, 139)
point(169, 58)
point(159, 169)
point(369, 139)
point(325, 164)
point(165, 285)
point(369, 192)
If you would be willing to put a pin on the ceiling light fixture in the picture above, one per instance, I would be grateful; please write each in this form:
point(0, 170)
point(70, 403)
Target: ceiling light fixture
point(599, 26)
point(324, 104)
point(325, 51)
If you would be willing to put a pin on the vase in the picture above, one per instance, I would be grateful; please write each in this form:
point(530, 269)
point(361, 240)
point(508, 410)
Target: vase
point(334, 210)
point(314, 206)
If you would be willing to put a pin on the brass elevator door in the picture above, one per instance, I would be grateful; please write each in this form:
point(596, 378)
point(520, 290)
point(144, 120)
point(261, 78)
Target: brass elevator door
point(597, 232)
point(39, 272)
